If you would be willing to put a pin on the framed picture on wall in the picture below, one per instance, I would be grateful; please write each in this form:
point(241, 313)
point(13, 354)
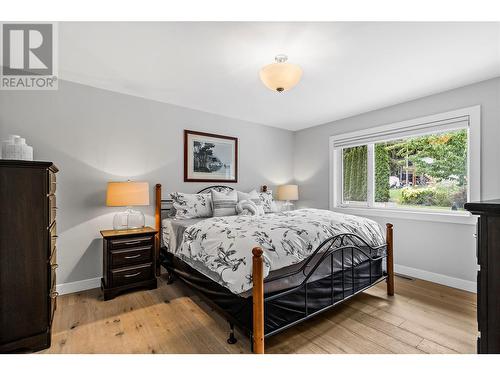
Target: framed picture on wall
point(210, 157)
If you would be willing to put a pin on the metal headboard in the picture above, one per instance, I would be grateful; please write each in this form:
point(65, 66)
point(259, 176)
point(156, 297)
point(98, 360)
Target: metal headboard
point(218, 188)
point(166, 205)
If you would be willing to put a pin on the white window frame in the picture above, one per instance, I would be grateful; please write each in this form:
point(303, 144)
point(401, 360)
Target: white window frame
point(369, 209)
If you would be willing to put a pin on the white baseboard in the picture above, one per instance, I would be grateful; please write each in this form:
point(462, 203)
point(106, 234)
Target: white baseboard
point(437, 278)
point(78, 286)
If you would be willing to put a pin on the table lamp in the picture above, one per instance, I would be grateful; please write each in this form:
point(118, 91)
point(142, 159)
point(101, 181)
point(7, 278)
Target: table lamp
point(128, 194)
point(288, 193)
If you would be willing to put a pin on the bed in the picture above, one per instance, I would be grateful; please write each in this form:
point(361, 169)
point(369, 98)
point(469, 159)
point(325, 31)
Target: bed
point(268, 273)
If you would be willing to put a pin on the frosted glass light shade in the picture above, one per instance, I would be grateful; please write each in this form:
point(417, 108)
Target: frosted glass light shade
point(128, 193)
point(280, 76)
point(288, 193)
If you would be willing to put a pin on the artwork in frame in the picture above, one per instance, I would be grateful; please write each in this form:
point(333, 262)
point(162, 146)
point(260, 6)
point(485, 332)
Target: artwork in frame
point(210, 157)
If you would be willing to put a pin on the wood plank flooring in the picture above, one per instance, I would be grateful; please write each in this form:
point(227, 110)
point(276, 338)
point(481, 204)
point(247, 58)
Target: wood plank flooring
point(421, 318)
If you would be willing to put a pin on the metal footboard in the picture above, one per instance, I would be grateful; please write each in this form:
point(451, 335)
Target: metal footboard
point(346, 255)
point(340, 249)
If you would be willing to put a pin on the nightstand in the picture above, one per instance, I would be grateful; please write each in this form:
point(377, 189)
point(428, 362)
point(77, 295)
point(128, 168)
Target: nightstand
point(128, 260)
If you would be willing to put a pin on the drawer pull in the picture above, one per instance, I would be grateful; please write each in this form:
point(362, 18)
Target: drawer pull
point(133, 274)
point(133, 256)
point(54, 294)
point(132, 242)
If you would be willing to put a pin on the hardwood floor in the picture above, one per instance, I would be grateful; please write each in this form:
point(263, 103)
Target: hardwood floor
point(421, 318)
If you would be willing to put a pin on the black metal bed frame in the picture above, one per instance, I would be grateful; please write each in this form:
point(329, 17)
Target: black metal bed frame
point(344, 244)
point(340, 243)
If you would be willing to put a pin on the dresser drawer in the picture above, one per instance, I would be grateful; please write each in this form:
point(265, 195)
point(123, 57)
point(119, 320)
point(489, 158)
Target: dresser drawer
point(129, 256)
point(52, 238)
point(53, 267)
point(52, 182)
point(52, 208)
point(53, 256)
point(53, 294)
point(124, 243)
point(53, 304)
point(130, 275)
point(52, 270)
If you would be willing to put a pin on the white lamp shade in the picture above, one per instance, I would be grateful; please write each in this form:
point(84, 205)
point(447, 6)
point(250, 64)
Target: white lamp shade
point(280, 76)
point(288, 193)
point(128, 193)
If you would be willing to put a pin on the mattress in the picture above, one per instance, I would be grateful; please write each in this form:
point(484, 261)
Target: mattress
point(172, 231)
point(188, 239)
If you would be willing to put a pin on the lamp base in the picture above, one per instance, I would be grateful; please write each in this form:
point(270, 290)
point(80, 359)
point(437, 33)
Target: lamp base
point(288, 206)
point(128, 219)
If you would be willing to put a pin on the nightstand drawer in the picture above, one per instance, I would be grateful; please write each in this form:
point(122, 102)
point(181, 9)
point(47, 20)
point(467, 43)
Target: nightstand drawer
point(130, 275)
point(123, 243)
point(133, 255)
point(128, 260)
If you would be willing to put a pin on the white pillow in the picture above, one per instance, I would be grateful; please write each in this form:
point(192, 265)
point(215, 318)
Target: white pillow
point(224, 203)
point(190, 206)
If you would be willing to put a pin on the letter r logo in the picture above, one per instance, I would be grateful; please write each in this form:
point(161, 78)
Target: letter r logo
point(27, 49)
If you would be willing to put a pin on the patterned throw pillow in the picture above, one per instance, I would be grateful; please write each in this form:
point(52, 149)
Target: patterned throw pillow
point(190, 206)
point(268, 202)
point(224, 203)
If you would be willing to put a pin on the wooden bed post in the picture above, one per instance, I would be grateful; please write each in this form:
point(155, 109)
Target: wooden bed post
point(390, 260)
point(258, 301)
point(157, 227)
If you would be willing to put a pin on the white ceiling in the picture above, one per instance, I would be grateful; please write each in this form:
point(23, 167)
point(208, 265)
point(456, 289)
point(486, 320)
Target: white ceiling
point(349, 68)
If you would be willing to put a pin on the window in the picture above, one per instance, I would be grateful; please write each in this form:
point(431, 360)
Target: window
point(429, 164)
point(355, 167)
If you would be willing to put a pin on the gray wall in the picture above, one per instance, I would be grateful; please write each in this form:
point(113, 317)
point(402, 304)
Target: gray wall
point(441, 248)
point(95, 136)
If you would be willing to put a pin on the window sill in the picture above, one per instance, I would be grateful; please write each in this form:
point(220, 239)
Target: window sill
point(442, 217)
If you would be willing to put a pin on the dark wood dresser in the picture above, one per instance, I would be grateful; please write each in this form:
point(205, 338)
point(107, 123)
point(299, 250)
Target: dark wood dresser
point(27, 254)
point(488, 276)
point(128, 260)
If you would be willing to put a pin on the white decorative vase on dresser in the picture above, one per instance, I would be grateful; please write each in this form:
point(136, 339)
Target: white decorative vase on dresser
point(15, 148)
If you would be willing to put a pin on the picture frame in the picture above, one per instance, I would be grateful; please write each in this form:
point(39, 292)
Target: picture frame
point(210, 157)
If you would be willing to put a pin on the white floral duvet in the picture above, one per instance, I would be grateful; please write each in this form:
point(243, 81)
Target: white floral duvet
point(223, 245)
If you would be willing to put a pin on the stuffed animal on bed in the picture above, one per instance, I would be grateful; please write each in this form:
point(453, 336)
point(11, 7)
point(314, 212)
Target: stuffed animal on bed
point(247, 207)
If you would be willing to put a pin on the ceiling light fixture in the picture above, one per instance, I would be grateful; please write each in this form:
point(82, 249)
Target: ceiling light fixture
point(280, 76)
